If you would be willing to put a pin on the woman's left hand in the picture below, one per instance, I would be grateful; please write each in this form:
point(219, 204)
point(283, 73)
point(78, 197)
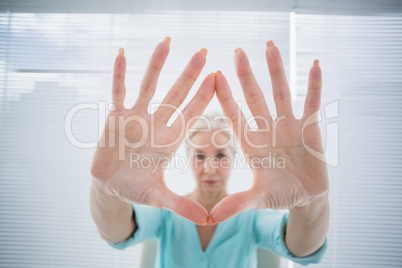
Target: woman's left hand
point(286, 174)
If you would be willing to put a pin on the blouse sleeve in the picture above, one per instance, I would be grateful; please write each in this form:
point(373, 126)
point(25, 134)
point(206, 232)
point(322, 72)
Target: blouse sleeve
point(149, 221)
point(270, 229)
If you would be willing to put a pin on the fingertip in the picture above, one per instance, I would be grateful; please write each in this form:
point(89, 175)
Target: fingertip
point(197, 62)
point(272, 52)
point(315, 72)
point(167, 40)
point(214, 218)
point(120, 56)
point(239, 56)
point(211, 76)
point(204, 51)
point(221, 84)
point(270, 43)
point(217, 74)
point(208, 85)
point(238, 50)
point(203, 222)
point(210, 221)
point(186, 208)
point(214, 214)
point(162, 49)
point(120, 62)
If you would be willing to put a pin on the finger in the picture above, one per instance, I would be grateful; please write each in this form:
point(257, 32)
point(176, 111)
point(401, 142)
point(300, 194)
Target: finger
point(233, 205)
point(150, 80)
point(196, 106)
point(179, 91)
point(251, 90)
point(184, 206)
point(280, 85)
point(119, 74)
point(230, 108)
point(313, 98)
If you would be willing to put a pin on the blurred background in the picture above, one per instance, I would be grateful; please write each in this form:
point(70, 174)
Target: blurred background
point(57, 55)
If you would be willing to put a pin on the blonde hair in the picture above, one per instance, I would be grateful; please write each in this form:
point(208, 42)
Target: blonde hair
point(210, 123)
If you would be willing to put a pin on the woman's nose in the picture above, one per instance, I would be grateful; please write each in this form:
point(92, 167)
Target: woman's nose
point(210, 165)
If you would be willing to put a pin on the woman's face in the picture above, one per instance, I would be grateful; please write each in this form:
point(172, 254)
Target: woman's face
point(211, 160)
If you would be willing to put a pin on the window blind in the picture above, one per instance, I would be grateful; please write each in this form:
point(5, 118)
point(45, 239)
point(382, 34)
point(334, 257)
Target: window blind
point(360, 58)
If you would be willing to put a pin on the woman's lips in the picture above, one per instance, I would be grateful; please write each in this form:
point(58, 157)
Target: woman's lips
point(210, 182)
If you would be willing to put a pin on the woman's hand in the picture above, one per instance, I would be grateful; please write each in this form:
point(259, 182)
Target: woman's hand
point(286, 175)
point(136, 146)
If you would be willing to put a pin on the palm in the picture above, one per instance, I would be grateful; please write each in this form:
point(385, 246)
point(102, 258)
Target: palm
point(136, 146)
point(115, 163)
point(293, 176)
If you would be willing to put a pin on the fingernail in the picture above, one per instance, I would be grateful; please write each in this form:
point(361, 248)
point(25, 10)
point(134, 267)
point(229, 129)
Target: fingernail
point(204, 51)
point(316, 63)
point(270, 43)
point(167, 40)
point(210, 221)
point(238, 49)
point(121, 51)
point(218, 73)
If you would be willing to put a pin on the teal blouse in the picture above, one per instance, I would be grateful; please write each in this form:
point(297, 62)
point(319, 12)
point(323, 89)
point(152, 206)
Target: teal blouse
point(233, 244)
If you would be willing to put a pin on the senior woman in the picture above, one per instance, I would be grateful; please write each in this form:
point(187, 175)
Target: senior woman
point(208, 227)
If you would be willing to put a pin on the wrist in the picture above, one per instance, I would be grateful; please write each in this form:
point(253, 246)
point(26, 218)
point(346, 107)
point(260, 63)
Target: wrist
point(315, 206)
point(101, 191)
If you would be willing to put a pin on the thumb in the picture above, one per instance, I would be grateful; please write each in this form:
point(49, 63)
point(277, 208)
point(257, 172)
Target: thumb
point(183, 206)
point(234, 204)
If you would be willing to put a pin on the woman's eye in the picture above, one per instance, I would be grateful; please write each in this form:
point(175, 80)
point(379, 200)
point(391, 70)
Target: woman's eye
point(199, 156)
point(220, 155)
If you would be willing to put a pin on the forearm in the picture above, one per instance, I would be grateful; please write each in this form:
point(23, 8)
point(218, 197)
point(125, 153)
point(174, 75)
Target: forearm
point(113, 217)
point(307, 227)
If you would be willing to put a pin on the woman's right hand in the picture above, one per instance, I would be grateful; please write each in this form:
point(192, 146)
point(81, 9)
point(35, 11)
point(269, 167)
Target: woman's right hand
point(127, 163)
